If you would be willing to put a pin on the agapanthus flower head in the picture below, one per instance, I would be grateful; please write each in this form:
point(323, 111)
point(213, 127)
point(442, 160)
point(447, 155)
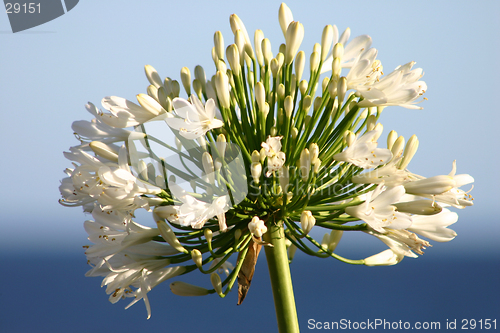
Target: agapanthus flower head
point(257, 156)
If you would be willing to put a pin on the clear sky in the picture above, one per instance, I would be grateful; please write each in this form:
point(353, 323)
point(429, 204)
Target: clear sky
point(48, 74)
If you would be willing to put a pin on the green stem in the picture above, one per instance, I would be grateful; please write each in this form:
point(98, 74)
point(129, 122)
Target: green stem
point(281, 280)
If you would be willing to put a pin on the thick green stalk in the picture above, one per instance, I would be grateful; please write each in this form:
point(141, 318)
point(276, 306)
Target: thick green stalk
point(281, 281)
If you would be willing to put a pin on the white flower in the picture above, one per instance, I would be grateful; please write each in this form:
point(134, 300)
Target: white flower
point(195, 213)
point(363, 152)
point(275, 157)
point(378, 212)
point(402, 242)
point(125, 254)
point(435, 226)
point(443, 188)
point(352, 50)
point(194, 120)
point(365, 70)
point(124, 113)
point(388, 174)
point(257, 227)
point(401, 87)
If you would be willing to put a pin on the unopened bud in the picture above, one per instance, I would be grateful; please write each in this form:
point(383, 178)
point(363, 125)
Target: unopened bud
point(104, 150)
point(197, 258)
point(294, 37)
point(307, 221)
point(410, 150)
point(326, 41)
point(397, 147)
point(303, 87)
point(216, 283)
point(334, 239)
point(285, 17)
point(349, 138)
point(208, 235)
point(233, 57)
point(257, 41)
point(222, 86)
point(185, 289)
point(169, 236)
point(219, 45)
point(314, 60)
point(391, 138)
point(256, 170)
point(338, 51)
point(288, 106)
point(341, 89)
point(295, 132)
point(305, 164)
point(384, 258)
point(266, 51)
point(186, 80)
point(153, 76)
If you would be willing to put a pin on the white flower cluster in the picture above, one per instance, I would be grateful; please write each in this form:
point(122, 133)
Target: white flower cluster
point(254, 147)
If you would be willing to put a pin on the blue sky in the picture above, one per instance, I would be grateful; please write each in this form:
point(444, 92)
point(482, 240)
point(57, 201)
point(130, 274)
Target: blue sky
point(48, 74)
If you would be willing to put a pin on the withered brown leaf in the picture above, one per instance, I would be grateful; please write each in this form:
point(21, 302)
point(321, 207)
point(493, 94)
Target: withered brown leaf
point(245, 274)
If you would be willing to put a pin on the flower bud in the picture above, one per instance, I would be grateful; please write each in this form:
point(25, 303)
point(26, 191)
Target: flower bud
point(255, 156)
point(142, 170)
point(285, 17)
point(334, 239)
point(420, 207)
point(266, 51)
point(410, 150)
point(104, 150)
point(326, 41)
point(336, 67)
point(208, 235)
point(233, 57)
point(314, 151)
point(257, 227)
point(332, 88)
point(294, 37)
point(153, 76)
point(257, 41)
point(384, 258)
point(169, 236)
point(314, 61)
point(237, 234)
point(341, 89)
point(237, 25)
point(197, 258)
point(281, 91)
point(391, 138)
point(239, 41)
point(307, 221)
point(295, 132)
point(185, 289)
point(199, 74)
point(256, 170)
point(275, 67)
point(221, 145)
point(216, 283)
point(186, 80)
point(222, 87)
point(198, 89)
point(338, 51)
point(397, 147)
point(305, 164)
point(317, 103)
point(284, 177)
point(349, 138)
point(208, 167)
point(324, 84)
point(219, 45)
point(303, 87)
point(288, 106)
point(316, 165)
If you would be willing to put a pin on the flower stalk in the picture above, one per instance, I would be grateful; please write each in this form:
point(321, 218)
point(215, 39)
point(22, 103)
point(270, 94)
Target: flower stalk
point(281, 280)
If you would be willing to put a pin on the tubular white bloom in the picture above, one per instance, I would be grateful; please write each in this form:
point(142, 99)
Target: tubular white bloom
point(384, 258)
point(365, 70)
point(194, 120)
point(363, 152)
point(401, 87)
point(275, 157)
point(124, 253)
point(352, 50)
point(257, 227)
point(443, 188)
point(195, 213)
point(185, 289)
point(378, 212)
point(124, 113)
point(388, 174)
point(435, 226)
point(402, 242)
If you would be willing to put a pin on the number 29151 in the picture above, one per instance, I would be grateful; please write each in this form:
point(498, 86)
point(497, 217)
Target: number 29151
point(26, 8)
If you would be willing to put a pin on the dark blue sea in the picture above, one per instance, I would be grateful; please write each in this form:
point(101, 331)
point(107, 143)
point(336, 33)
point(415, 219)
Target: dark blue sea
point(47, 292)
